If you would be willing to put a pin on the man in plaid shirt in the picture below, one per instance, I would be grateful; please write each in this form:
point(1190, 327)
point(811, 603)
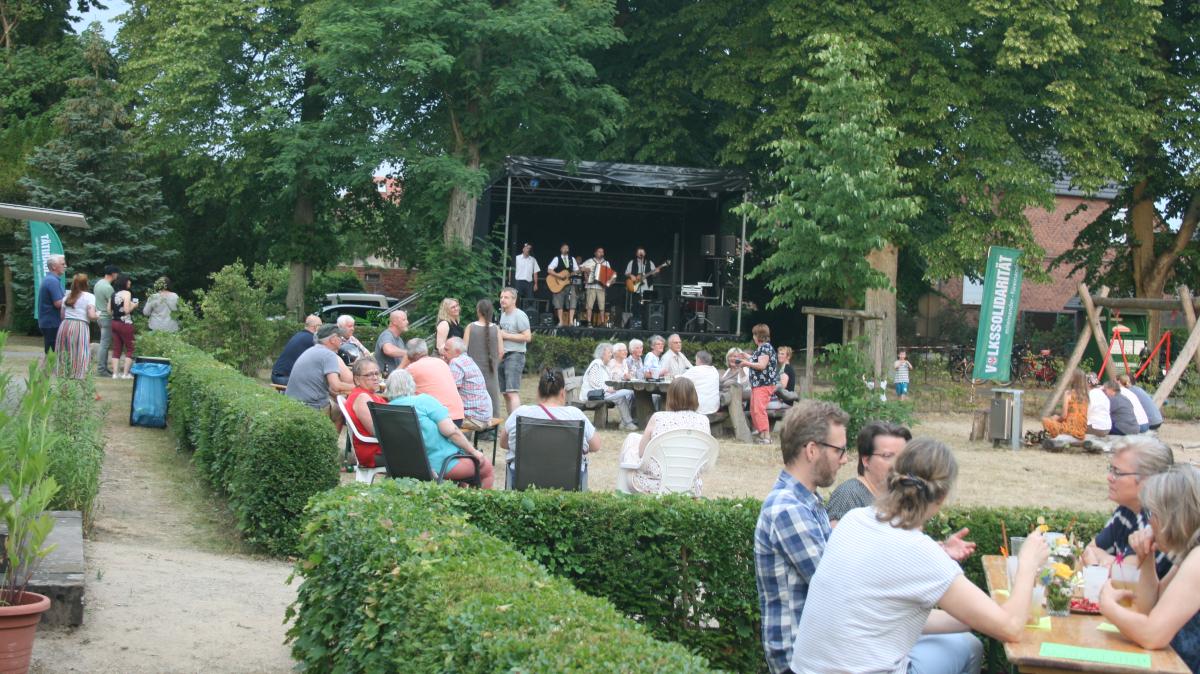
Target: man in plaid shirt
point(468, 378)
point(792, 525)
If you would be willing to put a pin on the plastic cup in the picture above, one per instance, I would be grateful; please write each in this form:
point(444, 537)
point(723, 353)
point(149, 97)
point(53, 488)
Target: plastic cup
point(1014, 545)
point(1093, 582)
point(1125, 576)
point(1010, 565)
point(1037, 605)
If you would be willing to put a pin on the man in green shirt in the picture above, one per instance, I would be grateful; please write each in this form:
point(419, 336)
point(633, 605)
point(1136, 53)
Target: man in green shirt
point(104, 292)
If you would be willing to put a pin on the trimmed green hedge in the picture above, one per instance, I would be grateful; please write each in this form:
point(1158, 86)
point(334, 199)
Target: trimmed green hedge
point(268, 453)
point(682, 567)
point(394, 581)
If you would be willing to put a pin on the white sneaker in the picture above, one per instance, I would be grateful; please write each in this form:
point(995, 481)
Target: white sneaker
point(126, 376)
point(116, 376)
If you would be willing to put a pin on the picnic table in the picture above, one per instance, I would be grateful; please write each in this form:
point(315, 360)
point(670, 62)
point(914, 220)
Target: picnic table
point(643, 392)
point(1078, 637)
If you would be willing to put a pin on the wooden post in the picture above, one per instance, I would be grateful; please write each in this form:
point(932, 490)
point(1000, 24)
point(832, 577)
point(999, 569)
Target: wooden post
point(1177, 368)
point(878, 349)
point(1189, 313)
point(1072, 362)
point(806, 390)
point(1094, 318)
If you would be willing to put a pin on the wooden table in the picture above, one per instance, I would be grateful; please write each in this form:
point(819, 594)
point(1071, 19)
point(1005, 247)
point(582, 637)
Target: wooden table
point(1075, 630)
point(643, 392)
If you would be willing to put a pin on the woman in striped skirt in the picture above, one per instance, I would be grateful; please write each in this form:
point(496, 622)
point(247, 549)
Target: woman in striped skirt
point(74, 337)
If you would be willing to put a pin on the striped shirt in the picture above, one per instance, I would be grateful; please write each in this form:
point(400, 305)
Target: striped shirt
point(788, 541)
point(902, 367)
point(1114, 537)
point(472, 388)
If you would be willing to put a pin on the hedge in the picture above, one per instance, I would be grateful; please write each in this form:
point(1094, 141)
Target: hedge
point(682, 567)
point(77, 450)
point(268, 453)
point(394, 581)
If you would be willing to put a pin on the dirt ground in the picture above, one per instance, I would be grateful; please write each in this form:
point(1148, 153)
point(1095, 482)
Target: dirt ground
point(168, 588)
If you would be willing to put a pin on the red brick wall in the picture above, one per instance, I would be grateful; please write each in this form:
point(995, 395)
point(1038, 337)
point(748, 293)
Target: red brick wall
point(385, 281)
point(1055, 234)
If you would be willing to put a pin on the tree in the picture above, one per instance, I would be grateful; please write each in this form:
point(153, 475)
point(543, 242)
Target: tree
point(841, 207)
point(226, 90)
point(444, 89)
point(1152, 223)
point(92, 167)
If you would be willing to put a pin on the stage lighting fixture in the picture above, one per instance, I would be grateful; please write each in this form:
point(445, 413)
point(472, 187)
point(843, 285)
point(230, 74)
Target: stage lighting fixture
point(670, 193)
point(534, 182)
point(595, 188)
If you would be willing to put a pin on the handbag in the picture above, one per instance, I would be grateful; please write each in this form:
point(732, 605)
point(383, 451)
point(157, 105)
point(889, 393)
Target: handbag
point(596, 394)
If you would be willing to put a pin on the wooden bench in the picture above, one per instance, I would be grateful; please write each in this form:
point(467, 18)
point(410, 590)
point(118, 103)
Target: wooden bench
point(599, 408)
point(732, 418)
point(279, 388)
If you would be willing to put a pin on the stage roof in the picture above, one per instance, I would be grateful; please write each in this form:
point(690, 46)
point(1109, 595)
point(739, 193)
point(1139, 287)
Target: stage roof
point(629, 175)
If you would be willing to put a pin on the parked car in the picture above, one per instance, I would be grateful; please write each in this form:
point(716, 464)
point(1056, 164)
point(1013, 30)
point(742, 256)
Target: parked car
point(366, 313)
point(364, 299)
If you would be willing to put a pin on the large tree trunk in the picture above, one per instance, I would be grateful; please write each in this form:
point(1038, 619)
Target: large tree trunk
point(304, 217)
point(9, 299)
point(883, 301)
point(301, 276)
point(1152, 271)
point(460, 218)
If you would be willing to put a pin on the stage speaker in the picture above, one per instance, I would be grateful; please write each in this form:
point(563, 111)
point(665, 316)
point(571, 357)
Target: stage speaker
point(708, 245)
point(673, 322)
point(549, 320)
point(533, 315)
point(720, 318)
point(655, 317)
point(729, 246)
point(528, 306)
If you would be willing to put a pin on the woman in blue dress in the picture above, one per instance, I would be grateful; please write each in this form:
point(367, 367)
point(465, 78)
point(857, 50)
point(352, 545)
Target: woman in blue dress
point(1167, 611)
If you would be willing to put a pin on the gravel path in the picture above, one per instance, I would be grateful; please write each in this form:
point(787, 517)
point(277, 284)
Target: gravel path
point(167, 590)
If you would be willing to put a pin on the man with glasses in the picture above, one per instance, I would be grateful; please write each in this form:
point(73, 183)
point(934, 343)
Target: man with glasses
point(1133, 460)
point(319, 373)
point(792, 526)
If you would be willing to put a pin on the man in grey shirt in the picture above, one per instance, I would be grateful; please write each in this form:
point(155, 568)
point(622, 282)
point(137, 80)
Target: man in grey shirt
point(389, 346)
point(1120, 410)
point(104, 292)
point(1153, 414)
point(317, 373)
point(515, 334)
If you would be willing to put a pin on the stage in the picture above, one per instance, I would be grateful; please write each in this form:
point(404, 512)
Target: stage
point(626, 334)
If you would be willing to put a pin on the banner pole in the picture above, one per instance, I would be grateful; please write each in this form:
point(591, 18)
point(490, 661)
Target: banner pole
point(504, 253)
point(742, 265)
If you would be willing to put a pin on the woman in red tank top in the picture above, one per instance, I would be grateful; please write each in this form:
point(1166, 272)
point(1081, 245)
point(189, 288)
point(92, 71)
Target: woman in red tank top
point(366, 383)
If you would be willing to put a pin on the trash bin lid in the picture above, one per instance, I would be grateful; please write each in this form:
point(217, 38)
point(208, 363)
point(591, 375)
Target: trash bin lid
point(151, 369)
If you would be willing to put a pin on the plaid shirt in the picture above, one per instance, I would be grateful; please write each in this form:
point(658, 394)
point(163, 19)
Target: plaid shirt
point(468, 378)
point(788, 541)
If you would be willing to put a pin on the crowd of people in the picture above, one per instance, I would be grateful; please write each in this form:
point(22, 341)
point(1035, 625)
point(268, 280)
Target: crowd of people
point(860, 569)
point(1093, 413)
point(66, 311)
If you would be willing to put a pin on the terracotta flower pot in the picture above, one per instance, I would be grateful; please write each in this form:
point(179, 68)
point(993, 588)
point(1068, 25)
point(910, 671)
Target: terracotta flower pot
point(17, 626)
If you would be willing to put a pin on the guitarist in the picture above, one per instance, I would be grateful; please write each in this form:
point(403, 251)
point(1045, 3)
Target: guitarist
point(562, 268)
point(638, 270)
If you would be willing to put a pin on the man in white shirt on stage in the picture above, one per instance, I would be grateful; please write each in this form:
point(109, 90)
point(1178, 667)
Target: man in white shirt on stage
point(525, 272)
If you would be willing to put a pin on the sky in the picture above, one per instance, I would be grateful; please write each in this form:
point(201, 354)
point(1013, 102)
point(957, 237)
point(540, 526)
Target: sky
point(105, 17)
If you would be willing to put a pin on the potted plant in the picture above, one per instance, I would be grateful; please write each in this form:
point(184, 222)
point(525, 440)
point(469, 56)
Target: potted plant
point(25, 492)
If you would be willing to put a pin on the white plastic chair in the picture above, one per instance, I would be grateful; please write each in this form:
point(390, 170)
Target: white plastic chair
point(681, 455)
point(361, 473)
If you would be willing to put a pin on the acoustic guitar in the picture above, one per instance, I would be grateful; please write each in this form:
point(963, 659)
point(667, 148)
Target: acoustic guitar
point(559, 279)
point(635, 282)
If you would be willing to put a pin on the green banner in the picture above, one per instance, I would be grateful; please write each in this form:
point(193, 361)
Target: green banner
point(45, 243)
point(998, 314)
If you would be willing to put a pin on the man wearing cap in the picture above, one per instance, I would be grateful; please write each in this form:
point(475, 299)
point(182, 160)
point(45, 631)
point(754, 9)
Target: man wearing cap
point(319, 373)
point(104, 293)
point(525, 271)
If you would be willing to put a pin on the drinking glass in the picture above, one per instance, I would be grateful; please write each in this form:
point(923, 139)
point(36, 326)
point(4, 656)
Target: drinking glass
point(1014, 545)
point(1093, 582)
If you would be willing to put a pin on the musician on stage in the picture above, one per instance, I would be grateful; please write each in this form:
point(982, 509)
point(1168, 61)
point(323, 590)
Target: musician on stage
point(638, 270)
point(525, 272)
point(562, 268)
point(600, 275)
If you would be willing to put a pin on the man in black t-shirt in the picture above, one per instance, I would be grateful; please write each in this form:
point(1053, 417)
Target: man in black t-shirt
point(298, 344)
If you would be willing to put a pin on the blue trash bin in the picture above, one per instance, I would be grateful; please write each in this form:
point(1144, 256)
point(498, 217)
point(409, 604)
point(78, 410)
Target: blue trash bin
point(148, 406)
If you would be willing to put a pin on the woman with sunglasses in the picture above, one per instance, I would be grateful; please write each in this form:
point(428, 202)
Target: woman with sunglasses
point(366, 386)
point(1164, 611)
point(1133, 461)
point(879, 443)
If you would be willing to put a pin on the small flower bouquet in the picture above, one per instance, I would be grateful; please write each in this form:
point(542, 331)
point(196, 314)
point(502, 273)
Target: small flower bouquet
point(1059, 580)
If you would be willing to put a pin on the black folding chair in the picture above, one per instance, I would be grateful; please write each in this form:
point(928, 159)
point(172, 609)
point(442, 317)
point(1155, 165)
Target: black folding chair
point(549, 454)
point(399, 434)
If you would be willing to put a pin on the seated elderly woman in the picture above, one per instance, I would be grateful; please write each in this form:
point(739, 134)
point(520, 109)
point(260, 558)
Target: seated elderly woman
point(1133, 461)
point(442, 438)
point(594, 379)
point(618, 367)
point(1164, 611)
point(682, 403)
point(551, 404)
point(366, 383)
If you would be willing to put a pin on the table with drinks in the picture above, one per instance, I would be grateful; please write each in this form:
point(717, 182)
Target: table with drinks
point(1079, 642)
point(643, 395)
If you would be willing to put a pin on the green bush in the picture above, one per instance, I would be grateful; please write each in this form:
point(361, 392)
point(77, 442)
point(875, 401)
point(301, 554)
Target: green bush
point(394, 581)
point(268, 453)
point(77, 448)
point(846, 364)
point(236, 328)
point(682, 567)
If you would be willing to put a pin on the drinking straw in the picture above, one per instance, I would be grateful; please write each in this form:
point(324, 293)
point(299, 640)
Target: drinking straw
point(1003, 539)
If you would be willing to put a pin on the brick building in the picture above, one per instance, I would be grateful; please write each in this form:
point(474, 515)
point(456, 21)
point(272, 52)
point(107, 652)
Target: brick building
point(1041, 303)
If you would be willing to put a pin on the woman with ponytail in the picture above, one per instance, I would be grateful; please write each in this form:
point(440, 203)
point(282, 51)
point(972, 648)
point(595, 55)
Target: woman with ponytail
point(881, 577)
point(1164, 611)
point(78, 311)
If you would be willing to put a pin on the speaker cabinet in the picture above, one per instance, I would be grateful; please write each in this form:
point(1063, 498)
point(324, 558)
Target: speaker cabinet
point(728, 246)
point(655, 317)
point(708, 245)
point(720, 317)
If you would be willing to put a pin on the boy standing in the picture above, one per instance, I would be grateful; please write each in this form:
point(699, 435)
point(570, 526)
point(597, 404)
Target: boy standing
point(903, 367)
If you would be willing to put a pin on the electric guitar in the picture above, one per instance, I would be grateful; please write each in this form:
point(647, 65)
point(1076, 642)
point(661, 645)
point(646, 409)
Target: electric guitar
point(635, 283)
